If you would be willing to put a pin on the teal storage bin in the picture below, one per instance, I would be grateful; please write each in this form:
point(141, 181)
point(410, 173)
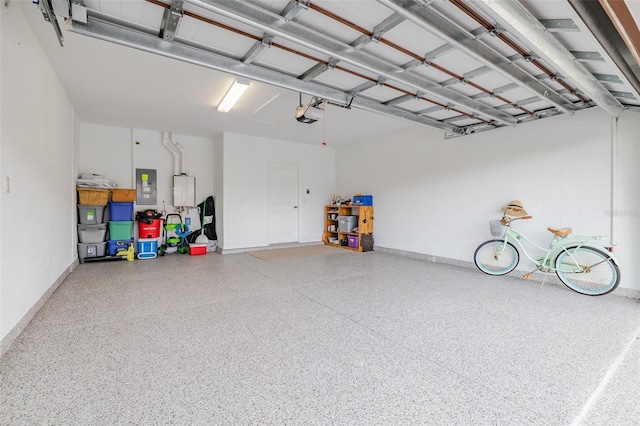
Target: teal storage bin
point(120, 230)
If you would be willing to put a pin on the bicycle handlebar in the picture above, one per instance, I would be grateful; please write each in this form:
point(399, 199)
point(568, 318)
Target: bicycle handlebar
point(506, 219)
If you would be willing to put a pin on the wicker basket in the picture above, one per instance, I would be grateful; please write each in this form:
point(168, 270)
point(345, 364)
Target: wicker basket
point(93, 197)
point(121, 195)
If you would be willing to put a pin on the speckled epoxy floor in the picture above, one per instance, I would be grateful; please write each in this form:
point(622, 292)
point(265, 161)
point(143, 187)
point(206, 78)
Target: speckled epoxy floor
point(352, 338)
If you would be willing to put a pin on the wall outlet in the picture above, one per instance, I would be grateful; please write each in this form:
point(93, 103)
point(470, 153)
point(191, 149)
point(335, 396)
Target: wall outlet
point(7, 184)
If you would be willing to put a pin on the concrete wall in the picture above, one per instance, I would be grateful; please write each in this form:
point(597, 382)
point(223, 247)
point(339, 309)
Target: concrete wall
point(38, 214)
point(435, 197)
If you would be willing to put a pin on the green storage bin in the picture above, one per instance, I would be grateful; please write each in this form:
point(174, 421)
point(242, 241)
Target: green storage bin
point(120, 229)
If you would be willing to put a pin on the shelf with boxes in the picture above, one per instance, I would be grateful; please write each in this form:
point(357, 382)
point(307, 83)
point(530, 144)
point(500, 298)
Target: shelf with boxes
point(349, 227)
point(105, 227)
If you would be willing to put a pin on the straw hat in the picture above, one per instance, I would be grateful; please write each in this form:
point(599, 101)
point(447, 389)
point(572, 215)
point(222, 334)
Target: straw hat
point(514, 208)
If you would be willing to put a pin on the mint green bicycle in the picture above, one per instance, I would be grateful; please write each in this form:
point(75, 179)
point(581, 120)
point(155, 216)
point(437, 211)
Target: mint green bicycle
point(579, 262)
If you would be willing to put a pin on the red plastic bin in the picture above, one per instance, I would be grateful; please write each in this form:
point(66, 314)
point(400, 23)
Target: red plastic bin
point(149, 230)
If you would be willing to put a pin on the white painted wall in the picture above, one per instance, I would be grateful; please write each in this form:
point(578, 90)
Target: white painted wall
point(116, 152)
point(434, 196)
point(37, 153)
point(244, 217)
point(2, 175)
point(218, 185)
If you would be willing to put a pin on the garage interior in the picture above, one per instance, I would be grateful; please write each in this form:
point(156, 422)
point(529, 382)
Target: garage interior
point(442, 110)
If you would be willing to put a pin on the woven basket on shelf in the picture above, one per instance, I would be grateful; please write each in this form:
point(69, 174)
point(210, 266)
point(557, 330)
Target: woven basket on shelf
point(93, 197)
point(122, 195)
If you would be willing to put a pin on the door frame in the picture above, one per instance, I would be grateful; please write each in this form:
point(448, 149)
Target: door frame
point(269, 206)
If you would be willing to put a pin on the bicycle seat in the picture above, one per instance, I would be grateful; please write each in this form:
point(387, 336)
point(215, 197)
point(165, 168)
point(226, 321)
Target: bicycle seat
point(560, 232)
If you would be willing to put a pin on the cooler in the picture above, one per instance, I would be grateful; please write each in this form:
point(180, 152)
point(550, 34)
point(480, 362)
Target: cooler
point(147, 248)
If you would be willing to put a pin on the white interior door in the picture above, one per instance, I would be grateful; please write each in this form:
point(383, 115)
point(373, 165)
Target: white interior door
point(283, 203)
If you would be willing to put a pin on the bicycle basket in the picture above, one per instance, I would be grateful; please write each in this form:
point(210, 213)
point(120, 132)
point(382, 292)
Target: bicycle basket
point(497, 228)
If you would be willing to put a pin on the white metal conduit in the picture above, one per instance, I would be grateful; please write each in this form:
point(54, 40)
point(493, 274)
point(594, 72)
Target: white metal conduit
point(614, 169)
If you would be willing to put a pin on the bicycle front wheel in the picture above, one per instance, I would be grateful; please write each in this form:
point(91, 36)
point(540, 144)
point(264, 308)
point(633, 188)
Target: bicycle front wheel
point(587, 270)
point(494, 257)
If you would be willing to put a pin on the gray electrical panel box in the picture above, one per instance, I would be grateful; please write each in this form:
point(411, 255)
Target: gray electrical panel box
point(184, 191)
point(146, 187)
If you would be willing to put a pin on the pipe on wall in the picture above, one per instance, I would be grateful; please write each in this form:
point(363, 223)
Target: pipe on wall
point(183, 154)
point(173, 150)
point(614, 166)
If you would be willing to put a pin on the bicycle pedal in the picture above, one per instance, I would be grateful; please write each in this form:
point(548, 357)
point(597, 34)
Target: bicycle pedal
point(527, 275)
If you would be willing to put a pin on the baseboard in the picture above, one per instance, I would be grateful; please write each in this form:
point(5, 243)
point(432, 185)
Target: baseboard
point(8, 340)
point(550, 278)
point(269, 247)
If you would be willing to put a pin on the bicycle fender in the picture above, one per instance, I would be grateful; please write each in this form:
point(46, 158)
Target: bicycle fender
point(593, 246)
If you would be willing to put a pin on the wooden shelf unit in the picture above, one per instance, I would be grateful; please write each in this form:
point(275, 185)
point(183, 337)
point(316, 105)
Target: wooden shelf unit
point(332, 225)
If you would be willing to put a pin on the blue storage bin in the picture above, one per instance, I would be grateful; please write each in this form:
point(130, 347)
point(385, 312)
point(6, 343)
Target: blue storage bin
point(363, 200)
point(120, 211)
point(114, 246)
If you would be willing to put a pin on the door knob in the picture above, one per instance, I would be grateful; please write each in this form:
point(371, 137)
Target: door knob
point(295, 207)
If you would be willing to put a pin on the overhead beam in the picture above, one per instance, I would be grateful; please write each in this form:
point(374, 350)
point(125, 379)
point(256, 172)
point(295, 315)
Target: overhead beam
point(258, 48)
point(399, 100)
point(516, 19)
point(47, 13)
point(264, 20)
point(378, 31)
point(626, 25)
point(430, 21)
point(594, 22)
point(150, 43)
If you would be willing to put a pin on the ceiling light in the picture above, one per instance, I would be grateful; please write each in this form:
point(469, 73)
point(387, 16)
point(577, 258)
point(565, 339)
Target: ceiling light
point(237, 89)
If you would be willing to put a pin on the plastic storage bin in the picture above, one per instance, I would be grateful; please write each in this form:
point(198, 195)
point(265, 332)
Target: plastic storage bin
point(362, 200)
point(90, 215)
point(114, 247)
point(353, 241)
point(347, 223)
point(120, 230)
point(92, 233)
point(87, 250)
point(120, 211)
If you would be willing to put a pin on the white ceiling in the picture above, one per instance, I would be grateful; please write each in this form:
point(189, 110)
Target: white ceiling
point(112, 84)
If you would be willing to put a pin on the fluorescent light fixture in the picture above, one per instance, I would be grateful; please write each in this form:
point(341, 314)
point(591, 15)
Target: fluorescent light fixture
point(235, 91)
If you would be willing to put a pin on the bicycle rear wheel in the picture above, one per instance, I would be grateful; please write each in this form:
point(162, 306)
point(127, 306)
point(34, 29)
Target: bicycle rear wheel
point(587, 270)
point(494, 257)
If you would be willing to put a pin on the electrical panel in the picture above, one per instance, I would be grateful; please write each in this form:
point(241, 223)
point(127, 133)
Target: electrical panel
point(184, 191)
point(146, 187)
